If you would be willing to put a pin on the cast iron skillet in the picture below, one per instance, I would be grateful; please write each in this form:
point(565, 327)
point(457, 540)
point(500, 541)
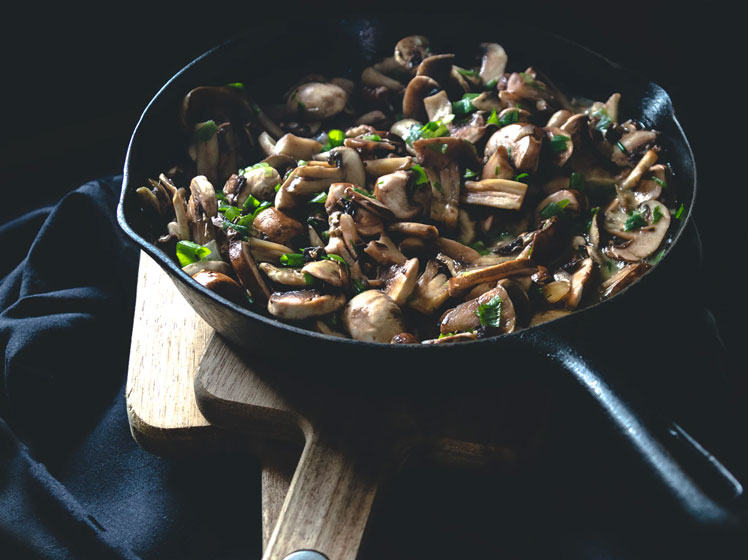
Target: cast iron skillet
point(698, 483)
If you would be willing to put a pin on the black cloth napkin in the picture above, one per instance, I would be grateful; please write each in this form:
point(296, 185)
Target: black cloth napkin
point(73, 482)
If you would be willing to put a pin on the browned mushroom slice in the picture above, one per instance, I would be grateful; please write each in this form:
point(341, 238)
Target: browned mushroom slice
point(418, 89)
point(525, 85)
point(561, 145)
point(277, 226)
point(296, 305)
point(454, 266)
point(647, 161)
point(579, 281)
point(456, 250)
point(466, 316)
point(385, 166)
point(246, 269)
point(401, 281)
point(431, 290)
point(469, 278)
point(350, 235)
point(297, 147)
point(440, 157)
point(647, 239)
point(316, 101)
point(438, 106)
point(498, 166)
point(329, 271)
point(268, 251)
point(414, 229)
point(259, 182)
point(558, 118)
point(373, 316)
point(384, 251)
point(216, 103)
point(650, 186)
point(496, 193)
point(632, 142)
point(549, 241)
point(223, 285)
point(623, 278)
point(437, 67)
point(391, 190)
point(336, 246)
point(493, 63)
point(521, 144)
point(285, 276)
point(410, 51)
point(453, 338)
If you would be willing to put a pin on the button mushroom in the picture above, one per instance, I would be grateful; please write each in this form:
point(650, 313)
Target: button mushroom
point(296, 305)
point(316, 101)
point(277, 226)
point(373, 316)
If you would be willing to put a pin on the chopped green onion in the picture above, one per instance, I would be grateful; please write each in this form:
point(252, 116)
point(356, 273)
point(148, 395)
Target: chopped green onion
point(468, 73)
point(432, 129)
point(493, 119)
point(263, 205)
point(490, 85)
point(372, 137)
point(292, 260)
point(241, 229)
point(510, 117)
point(251, 203)
point(363, 192)
point(231, 213)
point(334, 257)
point(309, 279)
point(660, 182)
point(521, 176)
point(554, 209)
point(530, 81)
point(558, 143)
point(469, 174)
point(462, 107)
point(438, 187)
point(277, 187)
point(657, 257)
point(621, 147)
point(679, 212)
point(321, 198)
point(634, 221)
point(576, 181)
point(236, 85)
point(220, 195)
point(205, 131)
point(255, 166)
point(438, 147)
point(358, 287)
point(656, 214)
point(189, 252)
point(489, 313)
point(335, 138)
point(246, 221)
point(605, 120)
point(480, 246)
point(420, 174)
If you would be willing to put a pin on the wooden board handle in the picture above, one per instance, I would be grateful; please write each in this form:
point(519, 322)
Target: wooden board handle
point(331, 495)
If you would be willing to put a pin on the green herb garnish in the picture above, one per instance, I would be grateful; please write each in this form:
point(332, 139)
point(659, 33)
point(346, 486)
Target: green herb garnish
point(679, 212)
point(656, 214)
point(335, 138)
point(420, 174)
point(521, 176)
point(493, 119)
point(321, 198)
point(334, 257)
point(231, 213)
point(622, 147)
point(509, 117)
point(489, 313)
point(363, 192)
point(634, 221)
point(236, 85)
point(490, 85)
point(469, 174)
point(205, 131)
point(292, 260)
point(372, 137)
point(251, 203)
point(189, 252)
point(462, 107)
point(358, 286)
point(554, 209)
point(660, 182)
point(480, 246)
point(576, 181)
point(558, 143)
point(468, 73)
point(605, 120)
point(438, 187)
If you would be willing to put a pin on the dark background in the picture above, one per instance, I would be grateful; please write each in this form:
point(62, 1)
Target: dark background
point(75, 83)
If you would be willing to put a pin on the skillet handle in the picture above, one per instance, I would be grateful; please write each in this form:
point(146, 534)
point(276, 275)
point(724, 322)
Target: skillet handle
point(703, 488)
point(329, 501)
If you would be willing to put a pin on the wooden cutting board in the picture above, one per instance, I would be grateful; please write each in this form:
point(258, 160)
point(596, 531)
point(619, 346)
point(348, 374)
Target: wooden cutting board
point(188, 392)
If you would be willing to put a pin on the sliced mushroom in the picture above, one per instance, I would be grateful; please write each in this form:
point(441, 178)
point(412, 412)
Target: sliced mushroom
point(438, 106)
point(221, 284)
point(414, 229)
point(391, 190)
point(632, 143)
point(496, 193)
point(493, 63)
point(521, 144)
point(469, 278)
point(410, 51)
point(285, 276)
point(373, 316)
point(623, 278)
point(456, 250)
point(579, 281)
point(561, 145)
point(645, 240)
point(548, 315)
point(498, 166)
point(259, 182)
point(201, 208)
point(316, 101)
point(431, 290)
point(401, 281)
point(297, 147)
point(418, 89)
point(182, 231)
point(296, 305)
point(568, 201)
point(465, 317)
point(277, 226)
point(246, 269)
point(650, 186)
point(438, 67)
point(384, 251)
point(268, 251)
point(329, 271)
point(374, 78)
point(385, 166)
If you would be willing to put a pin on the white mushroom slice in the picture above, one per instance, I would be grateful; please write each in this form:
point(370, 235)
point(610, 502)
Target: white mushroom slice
point(465, 317)
point(266, 143)
point(631, 142)
point(493, 63)
point(316, 101)
point(521, 145)
point(498, 166)
point(391, 190)
point(336, 246)
point(418, 89)
point(565, 199)
point(350, 235)
point(562, 146)
point(180, 213)
point(623, 278)
point(555, 291)
point(467, 227)
point(329, 271)
point(385, 166)
point(213, 266)
point(207, 154)
point(488, 101)
point(267, 251)
point(579, 281)
point(456, 250)
point(348, 160)
point(469, 278)
point(645, 240)
point(438, 106)
point(401, 281)
point(496, 193)
point(203, 189)
point(558, 118)
point(414, 229)
point(374, 78)
point(650, 187)
point(260, 183)
point(297, 147)
point(647, 161)
point(431, 290)
point(373, 316)
point(202, 206)
point(384, 251)
point(286, 276)
point(302, 304)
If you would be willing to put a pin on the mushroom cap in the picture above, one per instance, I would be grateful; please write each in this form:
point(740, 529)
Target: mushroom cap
point(391, 190)
point(221, 284)
point(438, 67)
point(277, 226)
point(418, 89)
point(302, 304)
point(645, 240)
point(317, 101)
point(373, 316)
point(216, 103)
point(493, 62)
point(411, 50)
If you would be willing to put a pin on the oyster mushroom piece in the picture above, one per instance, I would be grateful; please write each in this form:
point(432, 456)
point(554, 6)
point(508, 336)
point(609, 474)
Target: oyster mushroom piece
point(317, 101)
point(212, 266)
point(472, 277)
point(647, 239)
point(456, 250)
point(373, 316)
point(410, 51)
point(496, 193)
point(401, 281)
point(296, 305)
point(182, 231)
point(268, 251)
point(418, 89)
point(465, 317)
point(623, 278)
point(632, 142)
point(521, 143)
point(277, 226)
point(246, 269)
point(431, 290)
point(223, 285)
point(285, 276)
point(579, 281)
point(493, 63)
point(391, 190)
point(440, 157)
